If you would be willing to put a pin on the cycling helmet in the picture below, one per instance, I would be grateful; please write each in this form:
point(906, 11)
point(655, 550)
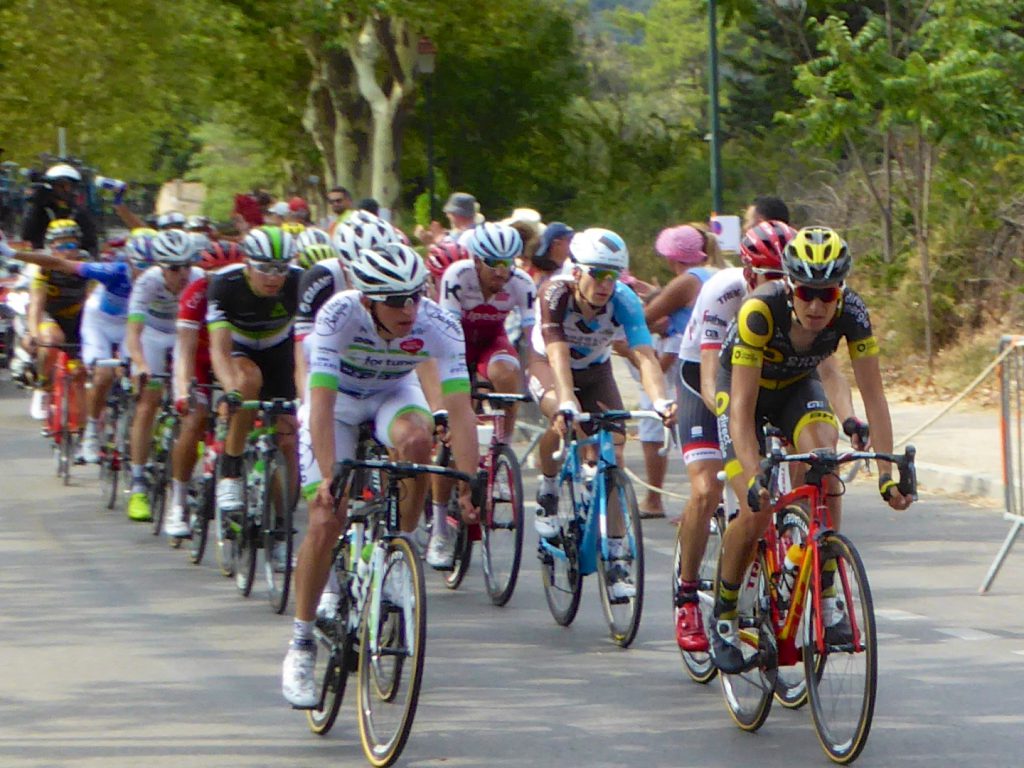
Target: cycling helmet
point(269, 243)
point(490, 241)
point(197, 224)
point(596, 247)
point(63, 172)
point(442, 255)
point(173, 247)
point(390, 269)
point(313, 245)
point(762, 245)
point(60, 229)
point(140, 247)
point(200, 241)
point(362, 230)
point(171, 220)
point(817, 256)
point(293, 227)
point(220, 254)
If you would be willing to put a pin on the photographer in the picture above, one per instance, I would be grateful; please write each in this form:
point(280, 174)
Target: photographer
point(55, 197)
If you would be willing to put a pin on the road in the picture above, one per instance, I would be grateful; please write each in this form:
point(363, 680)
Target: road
point(117, 652)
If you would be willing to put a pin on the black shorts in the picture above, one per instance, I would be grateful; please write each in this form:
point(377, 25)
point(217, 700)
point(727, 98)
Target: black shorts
point(277, 364)
point(71, 328)
point(595, 388)
point(697, 425)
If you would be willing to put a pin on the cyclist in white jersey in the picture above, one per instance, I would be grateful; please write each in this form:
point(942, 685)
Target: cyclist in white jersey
point(365, 349)
point(149, 339)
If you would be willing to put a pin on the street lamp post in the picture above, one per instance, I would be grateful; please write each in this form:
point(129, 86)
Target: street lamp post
point(716, 157)
point(426, 56)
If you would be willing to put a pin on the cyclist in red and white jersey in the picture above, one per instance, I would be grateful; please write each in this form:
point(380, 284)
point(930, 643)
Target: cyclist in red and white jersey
point(440, 256)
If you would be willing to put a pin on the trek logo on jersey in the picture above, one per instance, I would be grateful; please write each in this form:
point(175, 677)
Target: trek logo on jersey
point(412, 346)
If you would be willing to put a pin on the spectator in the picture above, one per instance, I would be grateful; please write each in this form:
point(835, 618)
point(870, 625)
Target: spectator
point(56, 197)
point(765, 208)
point(249, 210)
point(552, 251)
point(463, 214)
point(298, 211)
point(340, 200)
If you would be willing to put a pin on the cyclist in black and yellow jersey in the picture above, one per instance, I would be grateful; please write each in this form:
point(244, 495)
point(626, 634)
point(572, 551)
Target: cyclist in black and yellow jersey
point(783, 331)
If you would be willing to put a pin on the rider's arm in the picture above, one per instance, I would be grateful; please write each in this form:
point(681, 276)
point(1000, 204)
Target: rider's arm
point(652, 378)
point(708, 375)
point(462, 428)
point(36, 306)
point(48, 261)
point(837, 388)
point(300, 369)
point(868, 375)
point(184, 359)
point(321, 426)
point(558, 357)
point(220, 356)
point(430, 383)
point(133, 343)
point(130, 218)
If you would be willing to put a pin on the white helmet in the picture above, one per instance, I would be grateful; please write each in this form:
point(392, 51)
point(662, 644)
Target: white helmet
point(63, 171)
point(362, 231)
point(596, 247)
point(490, 241)
point(174, 246)
point(171, 220)
point(390, 269)
point(268, 243)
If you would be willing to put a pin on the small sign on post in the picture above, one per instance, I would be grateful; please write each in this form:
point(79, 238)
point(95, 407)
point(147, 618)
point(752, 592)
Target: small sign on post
point(727, 230)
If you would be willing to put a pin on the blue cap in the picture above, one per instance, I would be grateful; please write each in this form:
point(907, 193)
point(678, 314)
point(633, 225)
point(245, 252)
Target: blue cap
point(555, 230)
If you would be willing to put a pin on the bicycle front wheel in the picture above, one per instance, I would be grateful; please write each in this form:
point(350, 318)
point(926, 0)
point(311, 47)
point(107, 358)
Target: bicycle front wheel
point(842, 662)
point(699, 666)
point(560, 570)
point(158, 493)
point(622, 575)
point(502, 527)
point(278, 533)
point(749, 694)
point(391, 669)
point(791, 683)
point(333, 659)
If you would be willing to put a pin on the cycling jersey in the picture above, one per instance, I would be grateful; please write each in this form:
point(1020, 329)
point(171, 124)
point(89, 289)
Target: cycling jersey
point(318, 284)
point(760, 336)
point(115, 286)
point(256, 322)
point(483, 320)
point(192, 315)
point(347, 354)
point(716, 306)
point(152, 303)
point(65, 294)
point(589, 340)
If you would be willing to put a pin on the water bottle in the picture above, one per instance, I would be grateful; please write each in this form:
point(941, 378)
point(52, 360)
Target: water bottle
point(109, 184)
point(587, 474)
point(790, 571)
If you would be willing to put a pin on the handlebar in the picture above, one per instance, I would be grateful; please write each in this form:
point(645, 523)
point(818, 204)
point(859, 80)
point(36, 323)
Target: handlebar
point(398, 469)
point(501, 398)
point(824, 461)
point(614, 417)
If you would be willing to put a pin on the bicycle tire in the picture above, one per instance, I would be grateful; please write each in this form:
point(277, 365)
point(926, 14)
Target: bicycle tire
point(334, 658)
point(843, 675)
point(561, 578)
point(791, 682)
point(699, 666)
point(64, 462)
point(278, 513)
point(750, 693)
point(623, 617)
point(463, 554)
point(247, 538)
point(200, 506)
point(224, 535)
point(386, 706)
point(123, 450)
point(501, 543)
point(158, 493)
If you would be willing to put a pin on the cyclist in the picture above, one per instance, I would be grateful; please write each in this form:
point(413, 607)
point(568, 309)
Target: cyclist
point(312, 246)
point(192, 363)
point(580, 315)
point(102, 324)
point(440, 256)
point(54, 316)
point(250, 311)
point(149, 340)
point(481, 292)
point(783, 331)
point(365, 347)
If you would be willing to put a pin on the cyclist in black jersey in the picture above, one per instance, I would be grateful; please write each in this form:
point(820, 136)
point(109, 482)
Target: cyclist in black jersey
point(782, 332)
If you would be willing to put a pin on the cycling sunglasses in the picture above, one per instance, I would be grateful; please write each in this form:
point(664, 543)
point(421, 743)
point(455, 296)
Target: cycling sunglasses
point(400, 300)
point(499, 263)
point(276, 268)
point(601, 273)
point(174, 267)
point(66, 247)
point(827, 294)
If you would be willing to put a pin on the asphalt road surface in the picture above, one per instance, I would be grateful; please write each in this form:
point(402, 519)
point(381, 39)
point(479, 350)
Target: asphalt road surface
point(115, 651)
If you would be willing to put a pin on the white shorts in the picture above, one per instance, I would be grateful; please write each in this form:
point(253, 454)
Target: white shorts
point(157, 348)
point(349, 412)
point(102, 334)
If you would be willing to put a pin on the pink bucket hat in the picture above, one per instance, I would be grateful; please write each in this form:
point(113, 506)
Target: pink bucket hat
point(684, 244)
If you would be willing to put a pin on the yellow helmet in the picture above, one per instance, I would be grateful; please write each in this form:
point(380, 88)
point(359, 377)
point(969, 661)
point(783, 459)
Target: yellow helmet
point(60, 229)
point(817, 256)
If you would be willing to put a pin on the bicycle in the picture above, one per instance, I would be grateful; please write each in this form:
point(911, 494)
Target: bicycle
point(500, 530)
point(115, 436)
point(200, 499)
point(587, 496)
point(158, 468)
point(267, 518)
point(827, 622)
point(67, 403)
point(379, 629)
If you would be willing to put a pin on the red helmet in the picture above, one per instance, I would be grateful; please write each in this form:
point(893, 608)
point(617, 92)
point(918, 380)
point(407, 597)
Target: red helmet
point(762, 245)
point(219, 254)
point(442, 255)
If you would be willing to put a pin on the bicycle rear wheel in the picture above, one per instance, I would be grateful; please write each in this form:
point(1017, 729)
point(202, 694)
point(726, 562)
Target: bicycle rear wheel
point(560, 570)
point(791, 683)
point(158, 492)
point(463, 549)
point(107, 471)
point(699, 666)
point(247, 531)
point(623, 614)
point(502, 527)
point(225, 533)
point(749, 694)
point(333, 660)
point(278, 533)
point(391, 672)
point(842, 666)
point(200, 510)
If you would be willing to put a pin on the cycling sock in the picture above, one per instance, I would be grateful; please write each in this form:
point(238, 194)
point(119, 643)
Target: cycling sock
point(138, 478)
point(725, 600)
point(439, 516)
point(686, 592)
point(302, 634)
point(178, 492)
point(547, 486)
point(616, 549)
point(332, 583)
point(91, 427)
point(231, 466)
point(828, 577)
